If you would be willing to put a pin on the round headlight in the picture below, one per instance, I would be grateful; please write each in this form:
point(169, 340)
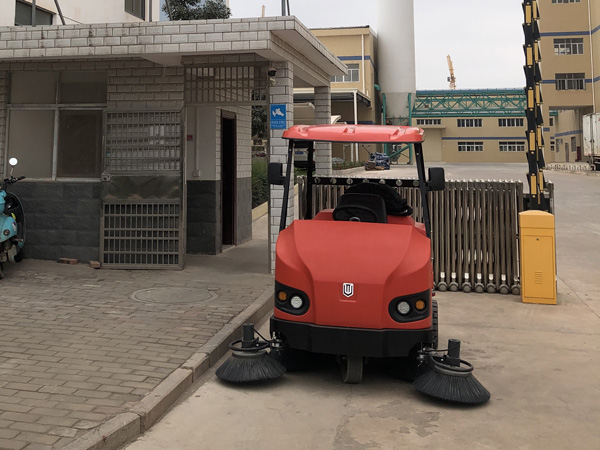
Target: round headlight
point(420, 305)
point(403, 308)
point(296, 302)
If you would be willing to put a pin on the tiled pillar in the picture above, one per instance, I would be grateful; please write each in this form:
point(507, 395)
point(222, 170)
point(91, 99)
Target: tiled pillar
point(323, 116)
point(281, 93)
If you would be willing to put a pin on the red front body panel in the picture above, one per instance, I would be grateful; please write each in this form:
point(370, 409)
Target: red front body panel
point(383, 261)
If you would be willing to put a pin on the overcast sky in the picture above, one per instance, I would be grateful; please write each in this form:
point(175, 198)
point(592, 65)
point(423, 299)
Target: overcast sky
point(484, 37)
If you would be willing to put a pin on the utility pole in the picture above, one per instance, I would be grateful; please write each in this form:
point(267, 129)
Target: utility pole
point(535, 118)
point(62, 18)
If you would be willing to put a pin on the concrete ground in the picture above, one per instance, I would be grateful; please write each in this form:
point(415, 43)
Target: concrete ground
point(80, 347)
point(539, 362)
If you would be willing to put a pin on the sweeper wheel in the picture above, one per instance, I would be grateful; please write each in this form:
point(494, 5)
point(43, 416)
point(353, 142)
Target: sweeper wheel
point(1, 270)
point(352, 369)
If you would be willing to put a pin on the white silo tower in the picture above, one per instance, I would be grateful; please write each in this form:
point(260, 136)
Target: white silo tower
point(396, 55)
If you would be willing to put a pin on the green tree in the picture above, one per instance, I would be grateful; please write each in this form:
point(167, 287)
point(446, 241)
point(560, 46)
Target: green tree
point(197, 9)
point(259, 122)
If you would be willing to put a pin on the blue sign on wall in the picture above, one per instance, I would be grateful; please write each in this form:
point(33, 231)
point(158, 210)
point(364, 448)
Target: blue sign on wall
point(278, 117)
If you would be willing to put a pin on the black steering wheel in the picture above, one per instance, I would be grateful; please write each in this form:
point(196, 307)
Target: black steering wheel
point(348, 213)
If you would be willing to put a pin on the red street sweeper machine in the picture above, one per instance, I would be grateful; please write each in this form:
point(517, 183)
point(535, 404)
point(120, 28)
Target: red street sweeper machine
point(356, 281)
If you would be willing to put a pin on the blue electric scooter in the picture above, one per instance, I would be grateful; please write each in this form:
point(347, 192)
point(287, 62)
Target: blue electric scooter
point(12, 222)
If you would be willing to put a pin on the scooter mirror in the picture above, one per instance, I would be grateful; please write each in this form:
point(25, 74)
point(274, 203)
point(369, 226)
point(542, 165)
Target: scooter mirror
point(13, 162)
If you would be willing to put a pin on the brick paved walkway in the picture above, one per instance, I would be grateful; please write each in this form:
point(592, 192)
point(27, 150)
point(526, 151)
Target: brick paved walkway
point(78, 346)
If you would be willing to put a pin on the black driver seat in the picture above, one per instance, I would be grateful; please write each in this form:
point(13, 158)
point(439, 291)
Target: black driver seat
point(361, 208)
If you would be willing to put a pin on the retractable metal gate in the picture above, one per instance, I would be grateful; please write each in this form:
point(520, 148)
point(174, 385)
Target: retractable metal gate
point(474, 231)
point(142, 190)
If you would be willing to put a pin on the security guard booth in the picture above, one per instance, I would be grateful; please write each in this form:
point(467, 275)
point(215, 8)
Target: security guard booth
point(538, 257)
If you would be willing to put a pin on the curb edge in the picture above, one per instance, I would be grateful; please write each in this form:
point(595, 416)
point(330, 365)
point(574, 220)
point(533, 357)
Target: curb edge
point(125, 427)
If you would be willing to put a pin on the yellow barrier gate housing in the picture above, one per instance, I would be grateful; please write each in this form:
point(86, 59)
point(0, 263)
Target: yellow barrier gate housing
point(538, 257)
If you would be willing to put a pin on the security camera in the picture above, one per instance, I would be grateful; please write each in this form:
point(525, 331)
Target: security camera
point(272, 71)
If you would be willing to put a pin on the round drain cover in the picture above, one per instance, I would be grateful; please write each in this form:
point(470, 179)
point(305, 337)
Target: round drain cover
point(174, 295)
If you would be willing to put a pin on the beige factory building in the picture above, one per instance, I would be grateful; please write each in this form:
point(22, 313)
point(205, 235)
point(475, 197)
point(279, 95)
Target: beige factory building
point(570, 45)
point(460, 125)
point(354, 98)
point(570, 31)
point(472, 126)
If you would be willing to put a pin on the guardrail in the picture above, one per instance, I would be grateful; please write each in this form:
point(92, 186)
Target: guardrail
point(474, 229)
point(571, 167)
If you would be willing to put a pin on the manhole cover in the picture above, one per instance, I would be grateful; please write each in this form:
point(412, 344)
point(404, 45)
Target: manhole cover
point(174, 295)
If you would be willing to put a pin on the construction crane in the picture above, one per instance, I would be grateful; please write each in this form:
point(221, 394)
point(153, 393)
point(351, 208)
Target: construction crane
point(451, 78)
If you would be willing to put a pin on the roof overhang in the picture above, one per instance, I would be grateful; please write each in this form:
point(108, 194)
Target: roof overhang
point(337, 95)
point(165, 43)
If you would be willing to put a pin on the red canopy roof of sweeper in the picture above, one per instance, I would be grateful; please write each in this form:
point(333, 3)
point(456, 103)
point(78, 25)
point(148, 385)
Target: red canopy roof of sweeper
point(355, 133)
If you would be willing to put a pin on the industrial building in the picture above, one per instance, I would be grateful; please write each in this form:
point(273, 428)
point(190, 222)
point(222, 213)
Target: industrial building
point(473, 126)
point(135, 136)
point(461, 125)
point(381, 81)
point(354, 96)
point(570, 46)
point(482, 125)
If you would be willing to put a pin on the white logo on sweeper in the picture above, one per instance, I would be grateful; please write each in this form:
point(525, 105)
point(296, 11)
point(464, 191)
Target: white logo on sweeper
point(348, 289)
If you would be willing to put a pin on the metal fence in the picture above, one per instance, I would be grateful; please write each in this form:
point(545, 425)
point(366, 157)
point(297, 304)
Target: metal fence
point(474, 230)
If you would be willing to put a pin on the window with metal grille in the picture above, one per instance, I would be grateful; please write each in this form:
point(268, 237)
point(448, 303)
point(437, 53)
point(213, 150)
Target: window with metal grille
point(571, 46)
point(512, 146)
point(227, 84)
point(570, 81)
point(551, 122)
point(429, 121)
point(469, 123)
point(143, 141)
point(510, 122)
point(23, 15)
point(566, 1)
point(136, 8)
point(470, 146)
point(552, 146)
point(352, 76)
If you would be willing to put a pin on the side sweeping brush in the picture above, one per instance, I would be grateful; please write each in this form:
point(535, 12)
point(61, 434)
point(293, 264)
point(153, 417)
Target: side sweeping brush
point(451, 379)
point(250, 361)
